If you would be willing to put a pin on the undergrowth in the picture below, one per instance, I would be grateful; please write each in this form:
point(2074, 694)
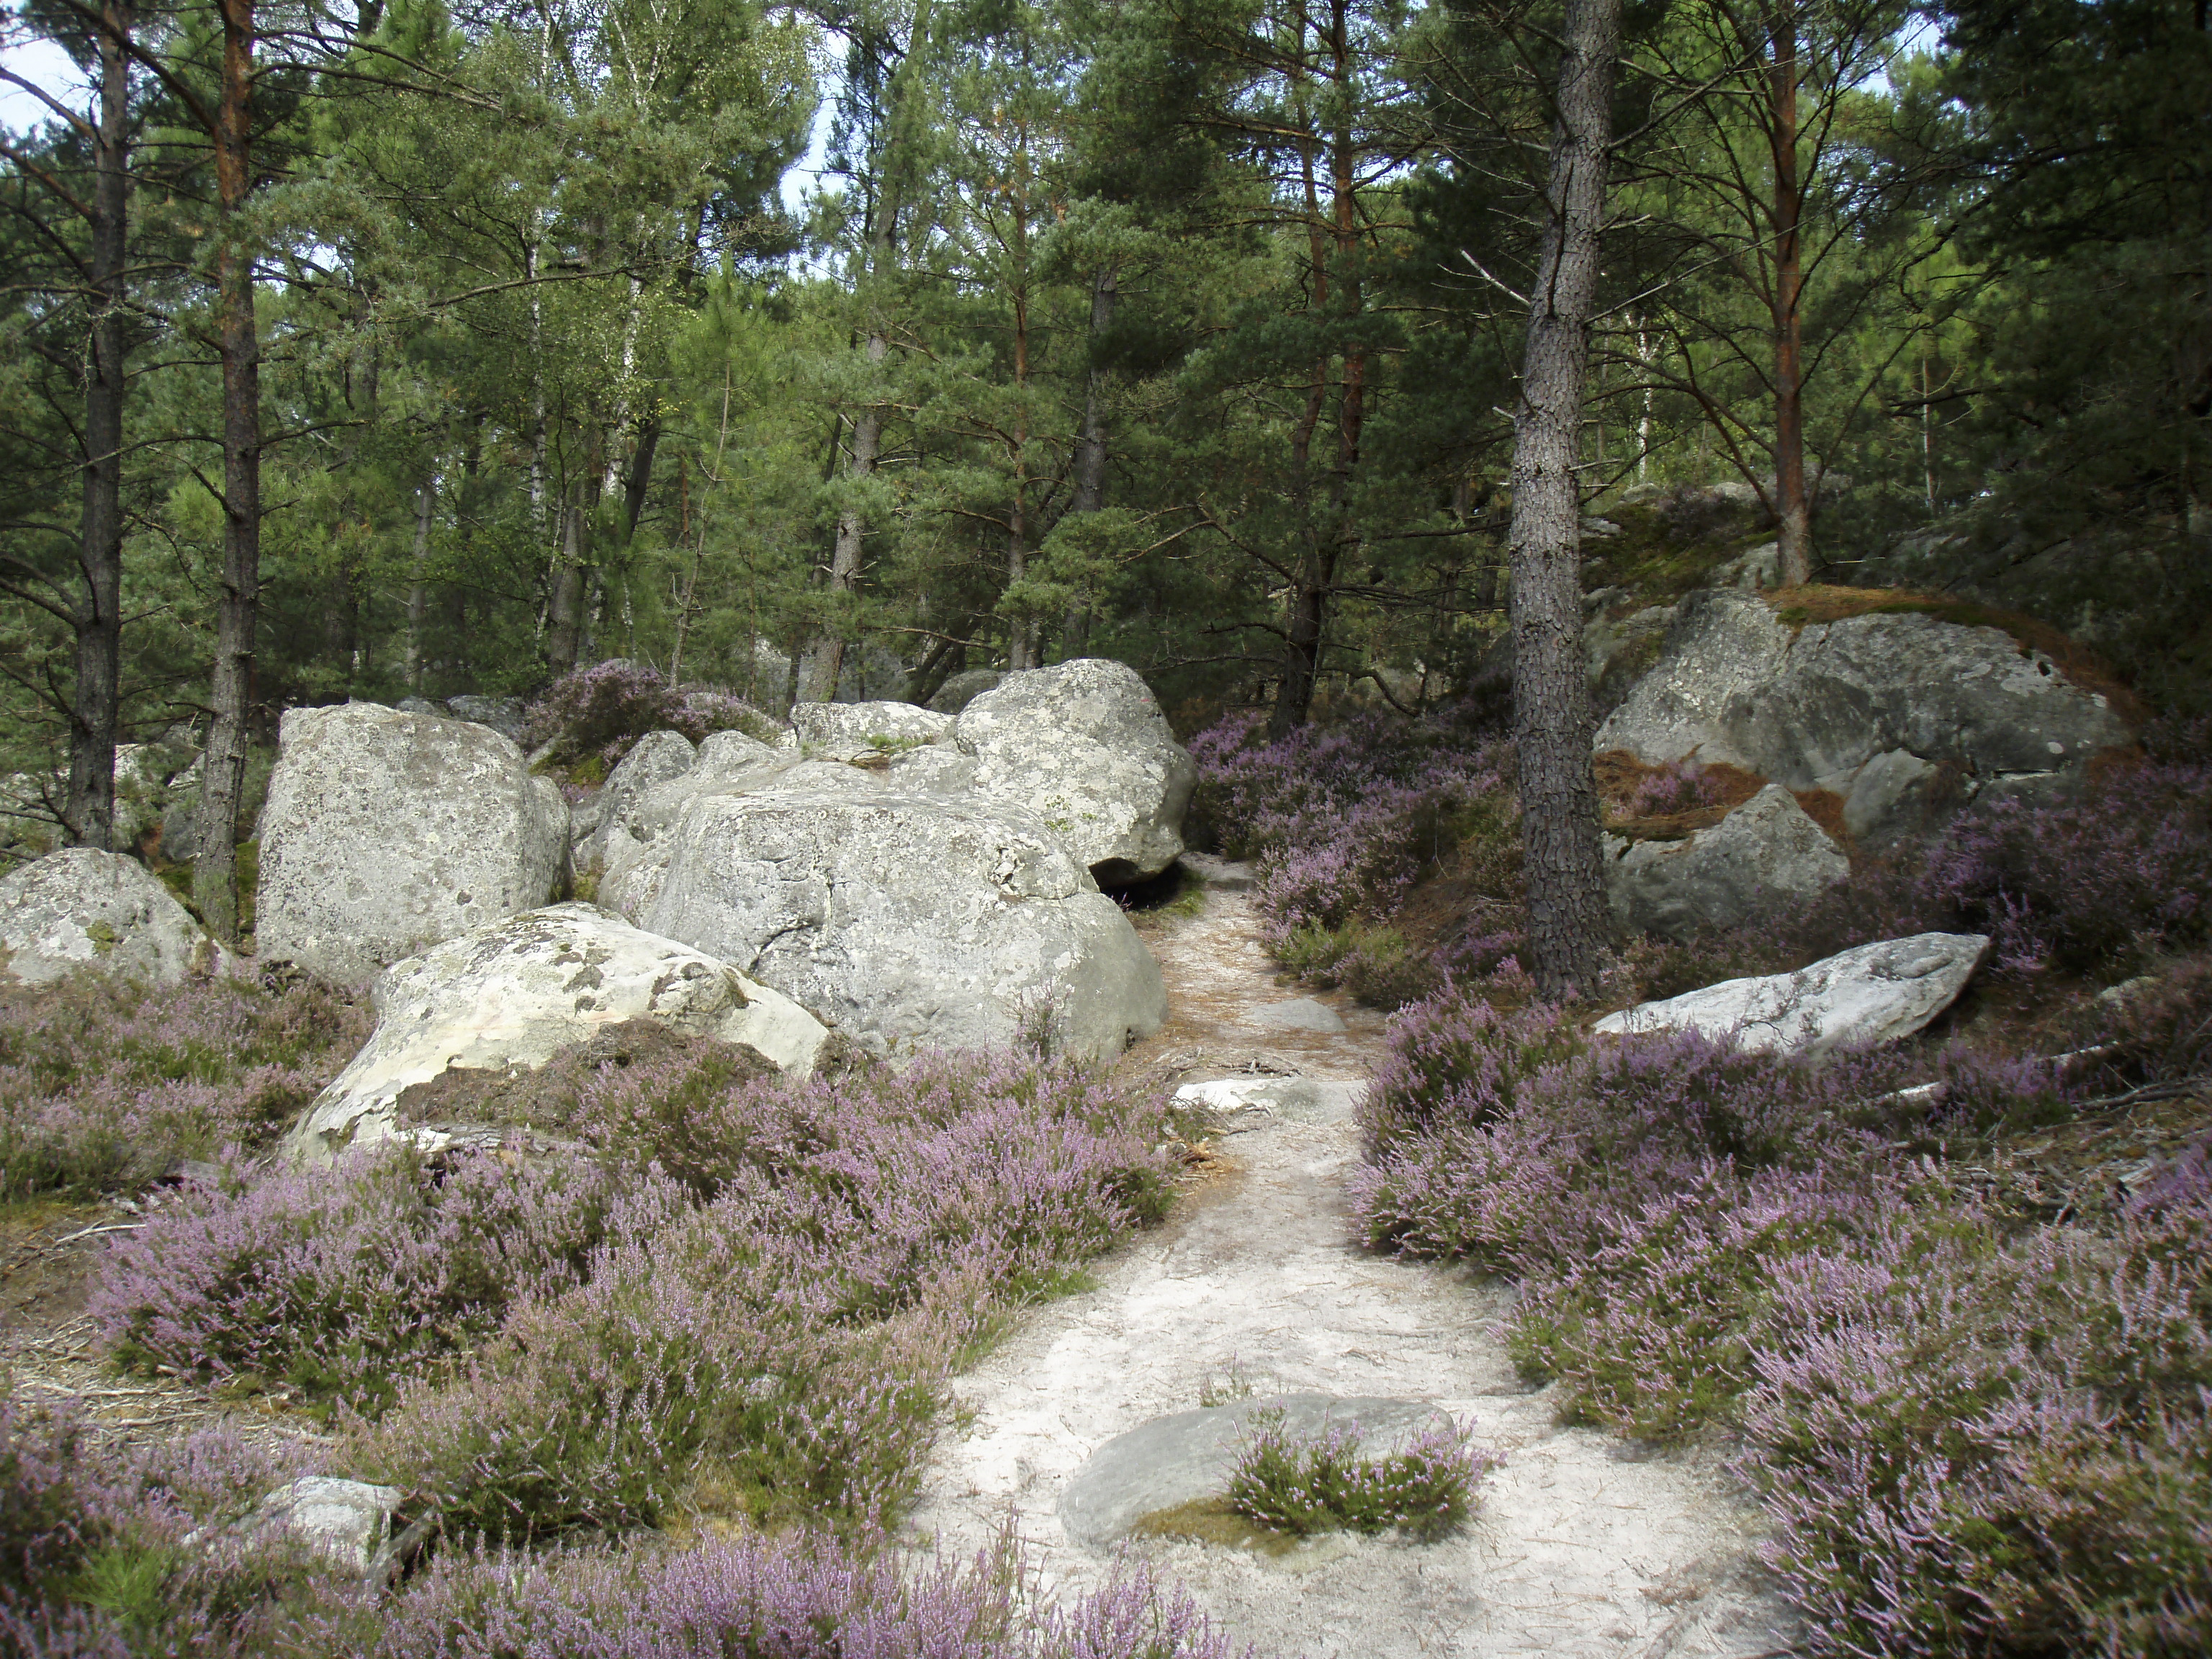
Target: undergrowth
point(1303, 1484)
point(1974, 1436)
point(107, 1084)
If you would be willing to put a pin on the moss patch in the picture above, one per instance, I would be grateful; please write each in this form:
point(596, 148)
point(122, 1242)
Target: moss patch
point(1211, 1521)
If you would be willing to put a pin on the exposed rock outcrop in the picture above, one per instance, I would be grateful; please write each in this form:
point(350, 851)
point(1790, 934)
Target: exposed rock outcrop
point(519, 992)
point(1084, 747)
point(1766, 853)
point(658, 757)
point(840, 731)
point(81, 910)
point(1872, 994)
point(386, 832)
point(1812, 707)
point(907, 920)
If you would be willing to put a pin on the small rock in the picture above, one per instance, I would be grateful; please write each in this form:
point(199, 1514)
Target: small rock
point(1227, 875)
point(1872, 994)
point(348, 1523)
point(1299, 1014)
point(1173, 1460)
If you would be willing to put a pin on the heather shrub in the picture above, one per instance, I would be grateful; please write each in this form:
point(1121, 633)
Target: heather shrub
point(1978, 1444)
point(797, 1596)
point(45, 1525)
point(107, 1083)
point(346, 1282)
point(1320, 1483)
point(1456, 1061)
point(1341, 822)
point(593, 716)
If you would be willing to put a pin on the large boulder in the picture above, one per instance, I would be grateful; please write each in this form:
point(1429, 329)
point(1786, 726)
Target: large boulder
point(80, 909)
point(1872, 994)
point(1811, 707)
point(964, 688)
point(519, 992)
point(634, 843)
point(907, 920)
point(1084, 747)
point(842, 730)
point(503, 715)
point(658, 757)
point(386, 832)
point(1765, 854)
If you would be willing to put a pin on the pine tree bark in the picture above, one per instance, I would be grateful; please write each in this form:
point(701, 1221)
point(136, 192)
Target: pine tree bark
point(88, 809)
point(214, 873)
point(825, 657)
point(1793, 507)
point(1552, 720)
point(1089, 494)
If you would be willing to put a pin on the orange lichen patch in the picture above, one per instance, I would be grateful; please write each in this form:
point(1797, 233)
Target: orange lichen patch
point(1825, 808)
point(1618, 773)
point(1814, 602)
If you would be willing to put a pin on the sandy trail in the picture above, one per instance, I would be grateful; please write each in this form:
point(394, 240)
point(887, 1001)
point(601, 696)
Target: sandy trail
point(1580, 1545)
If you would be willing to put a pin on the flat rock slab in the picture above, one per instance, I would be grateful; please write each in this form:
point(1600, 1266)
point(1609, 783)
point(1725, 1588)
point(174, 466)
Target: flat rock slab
point(1299, 1099)
point(1299, 1014)
point(1173, 1460)
point(1871, 994)
point(1228, 875)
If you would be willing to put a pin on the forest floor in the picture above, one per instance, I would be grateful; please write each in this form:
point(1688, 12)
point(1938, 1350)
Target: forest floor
point(1581, 1544)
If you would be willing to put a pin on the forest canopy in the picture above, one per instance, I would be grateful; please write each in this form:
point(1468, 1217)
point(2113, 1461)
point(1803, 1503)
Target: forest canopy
point(405, 349)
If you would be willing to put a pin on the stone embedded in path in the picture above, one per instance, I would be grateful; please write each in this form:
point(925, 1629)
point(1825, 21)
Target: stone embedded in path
point(1875, 993)
point(1173, 1460)
point(1300, 1099)
point(1299, 1014)
point(1227, 874)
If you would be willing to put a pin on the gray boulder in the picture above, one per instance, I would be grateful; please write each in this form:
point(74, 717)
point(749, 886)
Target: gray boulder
point(1872, 994)
point(503, 715)
point(840, 731)
point(519, 992)
point(81, 910)
point(964, 688)
point(908, 921)
point(658, 757)
point(347, 1523)
point(1768, 853)
point(1173, 1461)
point(1812, 707)
point(635, 843)
point(387, 832)
point(1084, 747)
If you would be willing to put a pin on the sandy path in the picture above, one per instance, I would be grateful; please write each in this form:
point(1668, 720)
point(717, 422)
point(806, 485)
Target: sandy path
point(1580, 1546)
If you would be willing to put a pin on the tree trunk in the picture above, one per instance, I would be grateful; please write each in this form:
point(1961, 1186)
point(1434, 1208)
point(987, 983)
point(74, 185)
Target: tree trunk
point(1552, 722)
point(825, 660)
point(89, 812)
point(825, 657)
point(214, 873)
point(565, 606)
point(1791, 505)
point(1090, 452)
point(418, 590)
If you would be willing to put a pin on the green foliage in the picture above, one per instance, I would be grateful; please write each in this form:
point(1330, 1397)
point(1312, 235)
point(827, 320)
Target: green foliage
point(1303, 1486)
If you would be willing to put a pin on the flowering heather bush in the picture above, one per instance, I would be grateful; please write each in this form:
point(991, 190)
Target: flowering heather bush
point(792, 1597)
point(105, 1083)
point(1971, 1442)
point(1342, 821)
point(347, 1282)
point(596, 713)
point(767, 1277)
point(1321, 1484)
point(1978, 1445)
